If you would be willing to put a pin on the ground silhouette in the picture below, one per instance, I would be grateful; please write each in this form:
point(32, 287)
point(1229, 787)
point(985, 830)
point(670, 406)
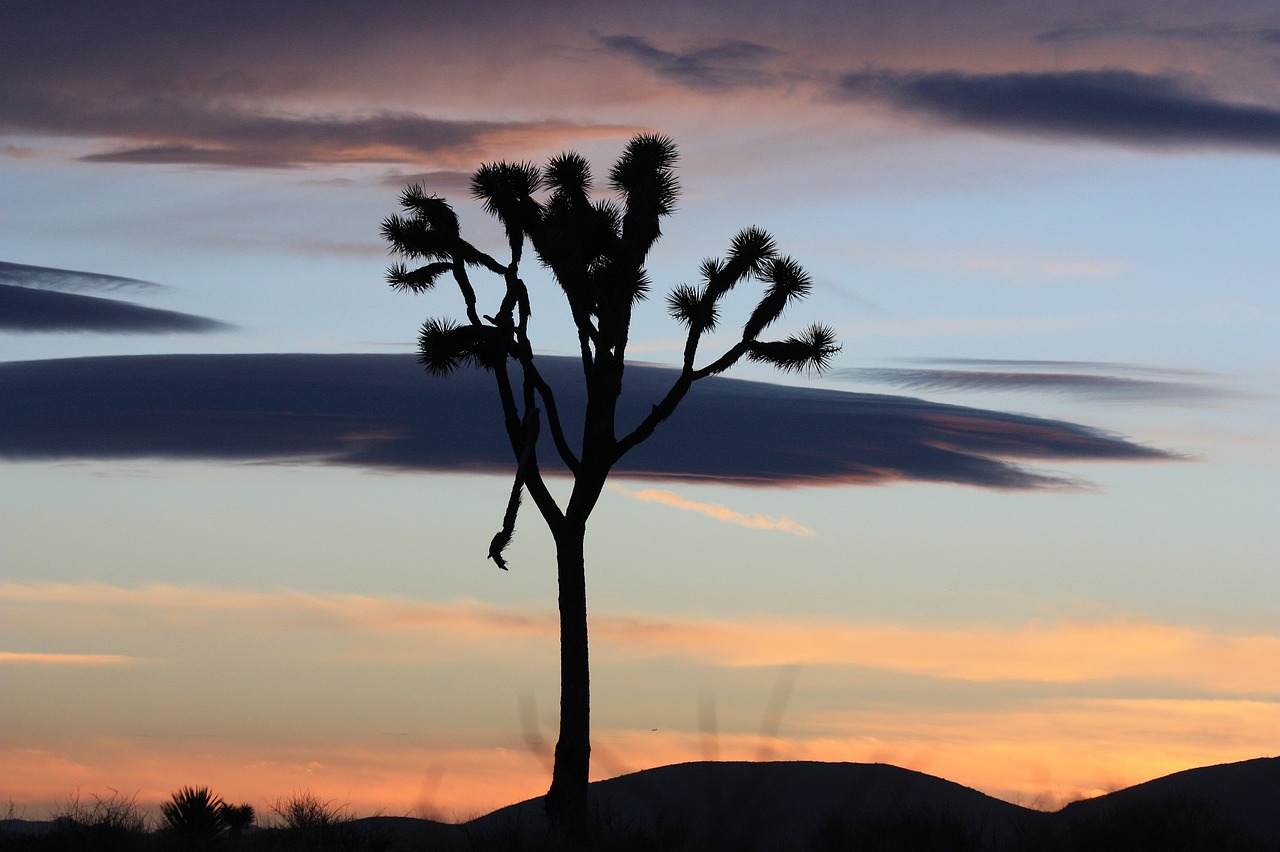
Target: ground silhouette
point(773, 806)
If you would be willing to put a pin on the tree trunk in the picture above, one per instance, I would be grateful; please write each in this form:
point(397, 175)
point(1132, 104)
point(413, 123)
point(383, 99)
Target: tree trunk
point(566, 801)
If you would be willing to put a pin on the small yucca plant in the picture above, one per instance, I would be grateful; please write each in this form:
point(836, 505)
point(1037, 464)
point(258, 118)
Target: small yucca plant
point(194, 817)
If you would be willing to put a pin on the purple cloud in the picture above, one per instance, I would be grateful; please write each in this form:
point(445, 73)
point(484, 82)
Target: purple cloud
point(383, 411)
point(723, 65)
point(1110, 105)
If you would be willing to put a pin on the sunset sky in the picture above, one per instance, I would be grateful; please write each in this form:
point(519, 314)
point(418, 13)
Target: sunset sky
point(1022, 535)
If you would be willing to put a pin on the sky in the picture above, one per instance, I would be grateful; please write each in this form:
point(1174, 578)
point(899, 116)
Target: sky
point(1021, 535)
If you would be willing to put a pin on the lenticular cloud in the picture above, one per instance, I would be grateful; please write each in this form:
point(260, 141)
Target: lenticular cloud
point(383, 411)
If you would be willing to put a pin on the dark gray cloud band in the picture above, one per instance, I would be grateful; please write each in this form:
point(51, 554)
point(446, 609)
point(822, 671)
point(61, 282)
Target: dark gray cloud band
point(32, 300)
point(383, 411)
point(726, 64)
point(31, 310)
point(1111, 105)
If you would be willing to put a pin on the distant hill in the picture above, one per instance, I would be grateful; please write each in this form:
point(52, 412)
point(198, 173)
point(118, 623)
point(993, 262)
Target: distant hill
point(872, 806)
point(744, 805)
point(1214, 801)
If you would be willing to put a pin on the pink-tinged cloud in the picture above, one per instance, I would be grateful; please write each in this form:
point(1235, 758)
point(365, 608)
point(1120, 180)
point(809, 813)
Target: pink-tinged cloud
point(1065, 652)
point(100, 606)
point(720, 513)
point(259, 87)
point(247, 140)
point(37, 658)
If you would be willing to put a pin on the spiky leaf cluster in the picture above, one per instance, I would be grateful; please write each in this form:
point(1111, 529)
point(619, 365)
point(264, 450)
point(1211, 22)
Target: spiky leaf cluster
point(812, 350)
point(787, 282)
point(444, 346)
point(420, 280)
point(430, 230)
point(689, 306)
point(194, 816)
point(507, 191)
point(645, 178)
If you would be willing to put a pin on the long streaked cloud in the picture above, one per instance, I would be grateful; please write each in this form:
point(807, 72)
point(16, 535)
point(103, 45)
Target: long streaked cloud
point(102, 606)
point(1061, 652)
point(163, 132)
point(720, 513)
point(71, 280)
point(1034, 652)
point(37, 658)
point(33, 310)
point(250, 140)
point(1045, 377)
point(43, 299)
point(1217, 33)
point(1112, 105)
point(382, 411)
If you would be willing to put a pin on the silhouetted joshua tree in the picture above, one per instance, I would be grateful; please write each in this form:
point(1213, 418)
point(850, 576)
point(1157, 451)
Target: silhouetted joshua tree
point(596, 251)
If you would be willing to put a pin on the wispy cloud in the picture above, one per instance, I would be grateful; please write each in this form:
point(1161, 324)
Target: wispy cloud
point(1045, 652)
point(725, 64)
point(278, 610)
point(261, 89)
point(1227, 35)
point(1049, 378)
point(320, 409)
point(720, 513)
point(72, 280)
point(35, 658)
point(1110, 105)
point(235, 137)
point(1063, 652)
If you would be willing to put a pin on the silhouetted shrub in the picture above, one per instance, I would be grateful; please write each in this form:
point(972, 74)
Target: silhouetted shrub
point(111, 824)
point(235, 819)
point(309, 823)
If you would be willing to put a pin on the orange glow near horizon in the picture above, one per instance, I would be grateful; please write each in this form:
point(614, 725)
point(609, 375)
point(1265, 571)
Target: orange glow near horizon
point(1040, 756)
point(1066, 709)
point(1019, 757)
